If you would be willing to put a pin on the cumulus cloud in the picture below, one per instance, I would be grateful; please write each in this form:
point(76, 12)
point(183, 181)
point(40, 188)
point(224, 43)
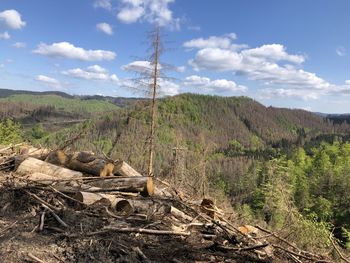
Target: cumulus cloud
point(218, 85)
point(105, 4)
point(105, 28)
point(94, 72)
point(51, 82)
point(140, 66)
point(144, 66)
point(341, 51)
point(166, 87)
point(5, 36)
point(271, 65)
point(224, 42)
point(19, 45)
point(68, 50)
point(11, 19)
point(152, 11)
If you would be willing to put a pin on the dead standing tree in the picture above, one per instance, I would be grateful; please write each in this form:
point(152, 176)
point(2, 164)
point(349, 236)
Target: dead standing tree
point(155, 75)
point(150, 76)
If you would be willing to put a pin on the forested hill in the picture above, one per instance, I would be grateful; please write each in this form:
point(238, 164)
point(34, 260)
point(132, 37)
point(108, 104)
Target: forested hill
point(242, 119)
point(4, 93)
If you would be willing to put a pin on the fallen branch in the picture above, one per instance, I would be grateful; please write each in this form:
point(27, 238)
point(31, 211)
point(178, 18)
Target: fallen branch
point(36, 259)
point(8, 227)
point(288, 243)
point(140, 231)
point(59, 220)
point(41, 201)
point(301, 256)
point(245, 248)
point(337, 249)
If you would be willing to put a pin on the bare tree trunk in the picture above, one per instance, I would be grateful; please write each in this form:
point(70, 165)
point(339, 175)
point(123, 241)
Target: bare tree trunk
point(153, 109)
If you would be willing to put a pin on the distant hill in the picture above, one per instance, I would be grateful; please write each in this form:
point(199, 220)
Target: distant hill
point(339, 118)
point(118, 101)
point(4, 93)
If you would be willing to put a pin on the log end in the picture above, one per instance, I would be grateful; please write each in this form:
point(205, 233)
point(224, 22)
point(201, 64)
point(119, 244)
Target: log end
point(149, 189)
point(107, 170)
point(57, 157)
point(124, 207)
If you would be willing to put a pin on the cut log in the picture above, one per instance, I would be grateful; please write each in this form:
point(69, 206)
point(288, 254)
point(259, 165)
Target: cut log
point(162, 192)
point(30, 151)
point(57, 157)
point(91, 198)
point(124, 169)
point(51, 180)
point(138, 184)
point(122, 206)
point(85, 162)
point(97, 167)
point(32, 165)
point(179, 214)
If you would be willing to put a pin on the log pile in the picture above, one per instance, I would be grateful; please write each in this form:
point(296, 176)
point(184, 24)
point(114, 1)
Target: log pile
point(67, 188)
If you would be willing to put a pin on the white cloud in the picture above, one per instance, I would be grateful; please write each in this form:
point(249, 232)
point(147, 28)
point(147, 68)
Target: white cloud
point(5, 36)
point(105, 28)
point(94, 72)
point(105, 4)
point(180, 69)
point(168, 88)
point(271, 65)
point(131, 14)
point(140, 66)
point(152, 11)
point(224, 42)
point(2, 65)
point(51, 82)
point(341, 51)
point(19, 45)
point(68, 50)
point(272, 52)
point(144, 66)
point(11, 19)
point(218, 85)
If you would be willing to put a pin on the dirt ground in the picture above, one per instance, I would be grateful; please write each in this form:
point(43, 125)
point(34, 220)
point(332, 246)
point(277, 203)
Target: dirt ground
point(20, 238)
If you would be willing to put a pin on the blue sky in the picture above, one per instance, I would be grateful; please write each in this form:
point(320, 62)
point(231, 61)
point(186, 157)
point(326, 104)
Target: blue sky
point(291, 53)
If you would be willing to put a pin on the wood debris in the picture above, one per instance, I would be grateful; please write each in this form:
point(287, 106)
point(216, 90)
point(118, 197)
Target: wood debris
point(80, 196)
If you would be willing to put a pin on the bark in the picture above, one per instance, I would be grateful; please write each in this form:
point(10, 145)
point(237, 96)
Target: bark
point(32, 165)
point(124, 169)
point(129, 184)
point(85, 162)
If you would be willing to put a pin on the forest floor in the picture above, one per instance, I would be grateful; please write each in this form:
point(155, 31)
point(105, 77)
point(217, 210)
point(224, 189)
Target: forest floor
point(20, 238)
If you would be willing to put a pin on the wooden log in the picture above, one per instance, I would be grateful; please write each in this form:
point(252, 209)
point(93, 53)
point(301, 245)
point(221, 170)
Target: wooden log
point(124, 169)
point(91, 198)
point(97, 167)
point(122, 206)
point(30, 151)
point(84, 161)
point(57, 157)
point(138, 184)
point(179, 214)
point(45, 179)
point(162, 192)
point(32, 165)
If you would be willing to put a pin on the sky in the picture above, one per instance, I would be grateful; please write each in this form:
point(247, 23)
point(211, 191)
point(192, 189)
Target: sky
point(291, 53)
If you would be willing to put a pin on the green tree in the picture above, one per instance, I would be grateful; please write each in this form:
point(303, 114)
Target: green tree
point(10, 132)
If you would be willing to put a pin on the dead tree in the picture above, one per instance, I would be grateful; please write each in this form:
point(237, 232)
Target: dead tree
point(149, 81)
